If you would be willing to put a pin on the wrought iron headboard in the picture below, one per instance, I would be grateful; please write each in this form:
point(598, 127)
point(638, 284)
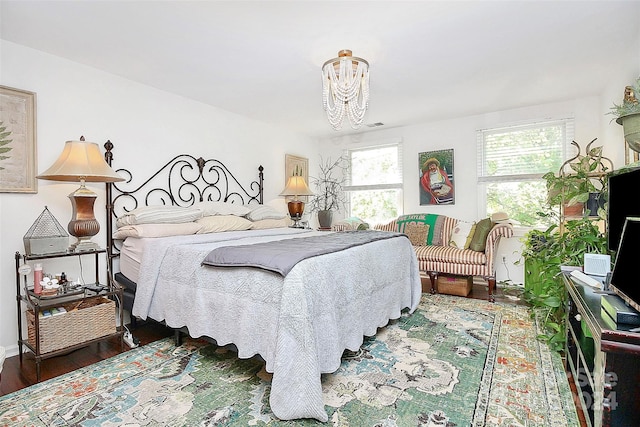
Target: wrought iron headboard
point(182, 181)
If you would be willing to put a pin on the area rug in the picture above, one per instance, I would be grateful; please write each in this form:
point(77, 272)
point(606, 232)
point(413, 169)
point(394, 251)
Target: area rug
point(454, 362)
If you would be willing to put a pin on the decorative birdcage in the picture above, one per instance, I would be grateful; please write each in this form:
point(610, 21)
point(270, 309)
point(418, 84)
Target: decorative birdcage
point(46, 236)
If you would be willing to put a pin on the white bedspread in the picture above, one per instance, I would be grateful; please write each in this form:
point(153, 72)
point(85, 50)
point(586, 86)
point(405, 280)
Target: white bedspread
point(299, 324)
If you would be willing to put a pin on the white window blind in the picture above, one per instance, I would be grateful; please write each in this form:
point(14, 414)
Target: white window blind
point(524, 152)
point(511, 162)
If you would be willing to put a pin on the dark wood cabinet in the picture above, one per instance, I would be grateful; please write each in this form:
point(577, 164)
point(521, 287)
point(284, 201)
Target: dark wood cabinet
point(603, 360)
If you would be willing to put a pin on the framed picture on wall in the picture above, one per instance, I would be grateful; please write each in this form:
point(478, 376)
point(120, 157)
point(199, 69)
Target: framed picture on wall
point(436, 177)
point(17, 141)
point(296, 166)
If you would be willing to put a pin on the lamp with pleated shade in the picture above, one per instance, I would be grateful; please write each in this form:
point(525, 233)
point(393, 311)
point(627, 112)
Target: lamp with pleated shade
point(82, 162)
point(296, 187)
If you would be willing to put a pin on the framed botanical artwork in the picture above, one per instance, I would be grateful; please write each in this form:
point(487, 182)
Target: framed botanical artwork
point(17, 141)
point(436, 177)
point(296, 166)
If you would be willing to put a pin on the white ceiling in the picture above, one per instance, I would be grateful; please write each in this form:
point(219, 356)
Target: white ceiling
point(429, 60)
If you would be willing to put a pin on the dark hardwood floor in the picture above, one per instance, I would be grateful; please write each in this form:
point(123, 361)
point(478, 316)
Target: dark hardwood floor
point(16, 376)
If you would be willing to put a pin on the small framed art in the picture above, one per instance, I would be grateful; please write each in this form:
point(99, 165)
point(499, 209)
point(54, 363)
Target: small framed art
point(17, 141)
point(295, 165)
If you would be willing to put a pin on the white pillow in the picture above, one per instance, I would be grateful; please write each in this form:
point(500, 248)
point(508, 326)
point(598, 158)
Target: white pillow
point(462, 234)
point(159, 215)
point(218, 223)
point(260, 212)
point(156, 230)
point(221, 208)
point(270, 223)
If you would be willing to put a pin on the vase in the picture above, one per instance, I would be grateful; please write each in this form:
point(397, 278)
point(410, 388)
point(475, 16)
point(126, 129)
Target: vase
point(325, 218)
point(574, 210)
point(594, 203)
point(631, 128)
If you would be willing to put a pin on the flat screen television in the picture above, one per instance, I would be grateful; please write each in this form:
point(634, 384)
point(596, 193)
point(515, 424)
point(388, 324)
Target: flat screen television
point(625, 277)
point(623, 201)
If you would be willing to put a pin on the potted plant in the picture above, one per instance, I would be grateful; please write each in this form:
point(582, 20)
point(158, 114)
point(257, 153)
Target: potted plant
point(628, 115)
point(545, 251)
point(329, 189)
point(581, 179)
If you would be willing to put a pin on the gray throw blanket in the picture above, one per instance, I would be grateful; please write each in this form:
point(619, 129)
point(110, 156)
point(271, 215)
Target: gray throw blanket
point(282, 255)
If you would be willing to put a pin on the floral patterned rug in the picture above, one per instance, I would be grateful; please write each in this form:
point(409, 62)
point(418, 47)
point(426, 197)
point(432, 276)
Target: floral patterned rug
point(454, 362)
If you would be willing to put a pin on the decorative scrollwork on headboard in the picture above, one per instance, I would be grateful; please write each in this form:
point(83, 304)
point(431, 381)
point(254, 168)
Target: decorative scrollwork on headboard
point(182, 181)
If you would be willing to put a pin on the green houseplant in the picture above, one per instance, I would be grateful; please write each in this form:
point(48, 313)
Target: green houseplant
point(580, 179)
point(328, 187)
point(568, 239)
point(545, 251)
point(628, 115)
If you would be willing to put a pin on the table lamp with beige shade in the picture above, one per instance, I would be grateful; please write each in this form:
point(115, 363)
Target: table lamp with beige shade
point(82, 162)
point(296, 187)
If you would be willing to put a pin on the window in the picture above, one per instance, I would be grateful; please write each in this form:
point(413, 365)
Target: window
point(511, 162)
point(375, 183)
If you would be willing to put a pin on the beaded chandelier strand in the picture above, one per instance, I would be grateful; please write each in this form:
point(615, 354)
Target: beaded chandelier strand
point(345, 89)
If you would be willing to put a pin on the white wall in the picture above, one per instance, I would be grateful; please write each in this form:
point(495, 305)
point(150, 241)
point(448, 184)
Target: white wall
point(147, 127)
point(460, 135)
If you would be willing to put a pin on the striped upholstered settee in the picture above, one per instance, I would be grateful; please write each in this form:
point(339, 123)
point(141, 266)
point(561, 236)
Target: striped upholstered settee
point(439, 257)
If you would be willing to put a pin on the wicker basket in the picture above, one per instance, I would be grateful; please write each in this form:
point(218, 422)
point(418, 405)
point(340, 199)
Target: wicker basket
point(84, 321)
point(454, 285)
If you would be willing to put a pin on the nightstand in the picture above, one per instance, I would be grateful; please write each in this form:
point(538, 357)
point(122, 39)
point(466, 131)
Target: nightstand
point(69, 319)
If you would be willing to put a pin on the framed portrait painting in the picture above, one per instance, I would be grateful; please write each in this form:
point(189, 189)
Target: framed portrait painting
point(437, 184)
point(17, 141)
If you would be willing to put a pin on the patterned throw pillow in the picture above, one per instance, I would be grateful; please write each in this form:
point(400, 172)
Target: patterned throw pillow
point(221, 208)
point(479, 240)
point(159, 215)
point(462, 235)
point(260, 212)
point(429, 219)
point(418, 233)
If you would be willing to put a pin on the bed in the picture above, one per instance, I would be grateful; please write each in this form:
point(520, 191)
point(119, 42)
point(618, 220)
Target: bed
point(300, 323)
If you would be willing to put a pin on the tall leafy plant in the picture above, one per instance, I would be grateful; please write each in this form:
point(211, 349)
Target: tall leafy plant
point(544, 252)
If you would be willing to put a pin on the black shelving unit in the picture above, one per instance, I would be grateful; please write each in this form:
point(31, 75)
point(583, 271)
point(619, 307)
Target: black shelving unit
point(27, 299)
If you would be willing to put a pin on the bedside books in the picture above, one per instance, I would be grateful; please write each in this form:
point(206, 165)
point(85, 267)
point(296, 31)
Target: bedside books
point(53, 312)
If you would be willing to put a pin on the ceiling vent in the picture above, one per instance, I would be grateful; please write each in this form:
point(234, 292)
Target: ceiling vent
point(374, 125)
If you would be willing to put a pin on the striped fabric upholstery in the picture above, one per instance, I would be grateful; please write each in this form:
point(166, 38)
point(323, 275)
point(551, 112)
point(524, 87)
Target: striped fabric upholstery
point(391, 226)
point(450, 260)
point(339, 227)
point(450, 254)
point(447, 229)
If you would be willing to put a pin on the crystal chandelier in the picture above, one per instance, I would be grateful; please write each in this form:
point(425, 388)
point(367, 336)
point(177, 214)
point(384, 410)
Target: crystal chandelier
point(345, 89)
